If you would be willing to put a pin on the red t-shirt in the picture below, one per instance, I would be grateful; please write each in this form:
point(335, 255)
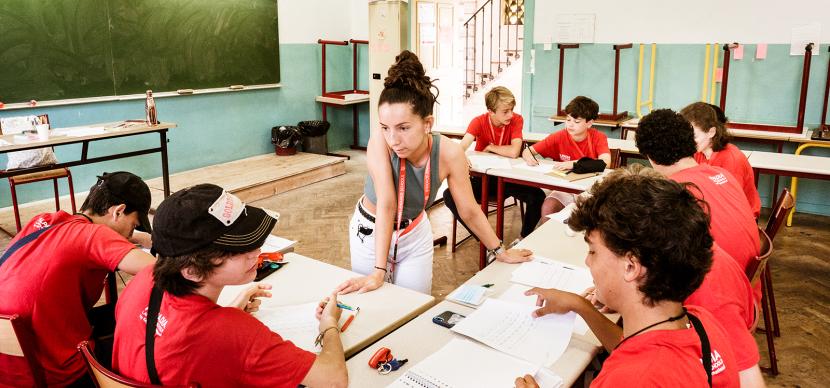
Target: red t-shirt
point(484, 131)
point(725, 292)
point(561, 147)
point(732, 225)
point(54, 281)
point(200, 341)
point(733, 160)
point(671, 358)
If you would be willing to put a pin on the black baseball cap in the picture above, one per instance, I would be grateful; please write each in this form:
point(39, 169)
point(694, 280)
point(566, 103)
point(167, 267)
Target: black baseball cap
point(206, 215)
point(131, 190)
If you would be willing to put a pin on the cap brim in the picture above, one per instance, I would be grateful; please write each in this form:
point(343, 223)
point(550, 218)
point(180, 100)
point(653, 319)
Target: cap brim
point(144, 223)
point(248, 232)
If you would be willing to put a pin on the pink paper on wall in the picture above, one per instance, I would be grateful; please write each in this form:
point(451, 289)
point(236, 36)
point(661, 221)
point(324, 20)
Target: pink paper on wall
point(719, 74)
point(738, 52)
point(760, 51)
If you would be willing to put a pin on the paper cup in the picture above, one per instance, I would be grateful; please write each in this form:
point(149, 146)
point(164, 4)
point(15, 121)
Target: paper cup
point(42, 131)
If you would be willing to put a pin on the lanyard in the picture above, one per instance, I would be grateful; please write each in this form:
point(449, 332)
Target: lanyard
point(493, 132)
point(401, 192)
point(590, 146)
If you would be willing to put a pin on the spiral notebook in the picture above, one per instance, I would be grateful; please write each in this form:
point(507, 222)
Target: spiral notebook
point(462, 364)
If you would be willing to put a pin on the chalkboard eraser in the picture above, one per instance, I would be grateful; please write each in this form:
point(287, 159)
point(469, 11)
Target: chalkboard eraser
point(184, 91)
point(236, 87)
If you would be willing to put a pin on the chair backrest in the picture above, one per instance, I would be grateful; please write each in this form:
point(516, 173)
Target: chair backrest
point(16, 340)
point(758, 263)
point(104, 378)
point(615, 158)
point(780, 211)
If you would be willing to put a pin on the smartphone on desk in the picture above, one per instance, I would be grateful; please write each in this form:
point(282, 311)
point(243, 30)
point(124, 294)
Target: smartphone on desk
point(447, 319)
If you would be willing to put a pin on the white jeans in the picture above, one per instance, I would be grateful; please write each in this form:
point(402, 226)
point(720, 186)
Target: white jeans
point(414, 267)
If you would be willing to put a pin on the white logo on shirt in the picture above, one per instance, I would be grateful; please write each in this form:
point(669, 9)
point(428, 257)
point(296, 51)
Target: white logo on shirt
point(719, 179)
point(41, 223)
point(161, 323)
point(564, 158)
point(717, 363)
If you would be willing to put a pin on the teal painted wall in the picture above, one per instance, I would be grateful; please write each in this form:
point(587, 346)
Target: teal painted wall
point(212, 128)
point(760, 91)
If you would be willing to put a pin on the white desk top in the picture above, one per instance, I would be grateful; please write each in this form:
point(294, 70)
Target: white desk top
point(420, 337)
point(306, 280)
point(351, 99)
point(60, 136)
point(746, 133)
point(790, 163)
point(543, 179)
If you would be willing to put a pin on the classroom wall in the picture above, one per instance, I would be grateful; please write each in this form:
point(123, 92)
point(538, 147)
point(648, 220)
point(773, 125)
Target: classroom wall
point(760, 91)
point(216, 128)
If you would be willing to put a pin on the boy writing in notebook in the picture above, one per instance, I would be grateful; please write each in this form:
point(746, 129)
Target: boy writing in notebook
point(576, 141)
point(499, 131)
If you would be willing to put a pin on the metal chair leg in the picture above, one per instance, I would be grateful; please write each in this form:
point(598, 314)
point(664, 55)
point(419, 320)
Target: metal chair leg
point(768, 332)
point(771, 296)
point(15, 206)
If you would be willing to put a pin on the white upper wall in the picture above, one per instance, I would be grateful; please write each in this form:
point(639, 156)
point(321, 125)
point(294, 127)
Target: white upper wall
point(698, 21)
point(305, 21)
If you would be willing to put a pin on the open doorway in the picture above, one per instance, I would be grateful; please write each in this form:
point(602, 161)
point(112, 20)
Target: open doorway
point(468, 47)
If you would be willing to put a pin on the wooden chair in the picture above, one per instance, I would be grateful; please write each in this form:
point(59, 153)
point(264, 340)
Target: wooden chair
point(616, 159)
point(52, 175)
point(782, 208)
point(104, 378)
point(755, 272)
point(16, 340)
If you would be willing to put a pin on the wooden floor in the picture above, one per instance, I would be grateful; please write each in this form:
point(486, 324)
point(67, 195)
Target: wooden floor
point(317, 216)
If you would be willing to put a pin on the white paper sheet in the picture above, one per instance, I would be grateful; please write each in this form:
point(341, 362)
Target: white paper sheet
point(468, 294)
point(516, 294)
point(277, 244)
point(510, 328)
point(541, 168)
point(296, 323)
point(3, 142)
point(81, 131)
point(484, 162)
point(545, 378)
point(462, 364)
point(548, 273)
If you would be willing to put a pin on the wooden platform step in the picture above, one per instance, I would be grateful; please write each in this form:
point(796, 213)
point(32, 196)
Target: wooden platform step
point(260, 176)
point(251, 179)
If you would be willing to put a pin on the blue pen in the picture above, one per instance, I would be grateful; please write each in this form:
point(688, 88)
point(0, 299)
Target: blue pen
point(345, 306)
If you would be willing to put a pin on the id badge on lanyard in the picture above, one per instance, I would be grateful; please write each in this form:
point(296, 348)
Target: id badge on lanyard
point(401, 193)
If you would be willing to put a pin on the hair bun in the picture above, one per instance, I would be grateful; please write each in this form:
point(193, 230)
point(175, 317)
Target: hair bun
point(407, 72)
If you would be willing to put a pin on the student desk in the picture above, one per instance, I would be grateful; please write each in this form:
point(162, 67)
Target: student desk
point(306, 280)
point(420, 337)
point(535, 179)
point(795, 166)
point(110, 131)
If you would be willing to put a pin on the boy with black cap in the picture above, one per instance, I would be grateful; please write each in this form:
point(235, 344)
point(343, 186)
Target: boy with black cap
point(53, 272)
point(207, 239)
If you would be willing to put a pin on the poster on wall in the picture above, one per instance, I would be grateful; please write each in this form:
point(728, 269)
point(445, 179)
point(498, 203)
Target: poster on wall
point(574, 27)
point(803, 35)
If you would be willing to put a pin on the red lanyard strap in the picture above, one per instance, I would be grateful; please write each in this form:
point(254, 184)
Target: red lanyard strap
point(493, 132)
point(401, 194)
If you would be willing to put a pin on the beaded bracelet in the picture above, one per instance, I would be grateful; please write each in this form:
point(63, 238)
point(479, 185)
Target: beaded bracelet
point(382, 269)
point(319, 339)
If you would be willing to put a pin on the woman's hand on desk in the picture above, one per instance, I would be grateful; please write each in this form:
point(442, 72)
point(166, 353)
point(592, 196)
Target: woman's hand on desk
point(248, 300)
point(526, 382)
point(515, 256)
point(362, 284)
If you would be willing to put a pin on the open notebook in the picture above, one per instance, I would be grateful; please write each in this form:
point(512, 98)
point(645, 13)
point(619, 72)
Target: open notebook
point(466, 364)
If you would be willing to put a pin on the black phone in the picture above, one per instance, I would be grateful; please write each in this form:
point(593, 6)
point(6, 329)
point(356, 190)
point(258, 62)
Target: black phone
point(267, 269)
point(447, 319)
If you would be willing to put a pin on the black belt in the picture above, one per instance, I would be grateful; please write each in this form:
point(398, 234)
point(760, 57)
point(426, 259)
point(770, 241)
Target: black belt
point(404, 223)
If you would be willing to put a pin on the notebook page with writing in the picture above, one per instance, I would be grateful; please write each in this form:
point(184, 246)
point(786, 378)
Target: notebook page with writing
point(516, 294)
point(296, 323)
point(484, 162)
point(465, 364)
point(548, 273)
point(511, 328)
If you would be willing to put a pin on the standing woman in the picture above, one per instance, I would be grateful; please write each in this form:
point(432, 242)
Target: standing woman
point(713, 148)
point(390, 235)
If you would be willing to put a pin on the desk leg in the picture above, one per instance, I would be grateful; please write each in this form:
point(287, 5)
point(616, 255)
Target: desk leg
point(482, 250)
point(500, 208)
point(165, 173)
point(775, 178)
point(355, 126)
point(325, 118)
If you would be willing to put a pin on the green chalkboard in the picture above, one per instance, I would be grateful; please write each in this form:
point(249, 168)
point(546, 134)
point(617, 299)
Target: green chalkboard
point(62, 49)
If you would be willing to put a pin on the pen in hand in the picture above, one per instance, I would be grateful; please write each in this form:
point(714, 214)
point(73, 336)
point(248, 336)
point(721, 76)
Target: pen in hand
point(527, 147)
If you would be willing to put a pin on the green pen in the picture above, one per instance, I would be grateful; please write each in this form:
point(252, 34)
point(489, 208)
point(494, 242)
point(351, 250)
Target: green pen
point(345, 306)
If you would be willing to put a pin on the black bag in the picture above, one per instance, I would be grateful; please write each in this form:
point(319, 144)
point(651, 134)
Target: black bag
point(586, 165)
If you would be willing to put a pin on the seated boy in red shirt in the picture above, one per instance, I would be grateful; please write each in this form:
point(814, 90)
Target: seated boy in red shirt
point(645, 271)
point(500, 131)
point(578, 140)
point(714, 148)
point(207, 239)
